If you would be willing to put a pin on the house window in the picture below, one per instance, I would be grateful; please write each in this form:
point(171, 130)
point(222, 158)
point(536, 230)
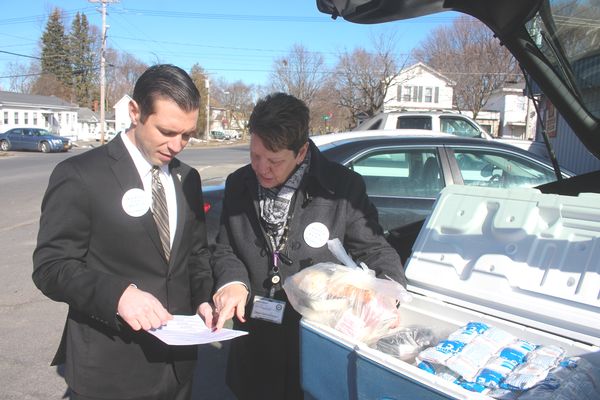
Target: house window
point(418, 94)
point(432, 95)
point(59, 117)
point(428, 95)
point(67, 117)
point(5, 117)
point(26, 118)
point(407, 93)
point(34, 117)
point(16, 118)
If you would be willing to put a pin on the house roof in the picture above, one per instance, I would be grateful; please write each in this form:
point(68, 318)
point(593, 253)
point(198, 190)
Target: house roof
point(428, 69)
point(21, 99)
point(125, 99)
point(84, 114)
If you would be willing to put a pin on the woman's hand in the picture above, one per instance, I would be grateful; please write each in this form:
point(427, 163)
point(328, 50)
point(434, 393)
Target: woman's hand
point(230, 300)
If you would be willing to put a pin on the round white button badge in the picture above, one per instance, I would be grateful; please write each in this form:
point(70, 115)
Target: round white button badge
point(136, 202)
point(316, 235)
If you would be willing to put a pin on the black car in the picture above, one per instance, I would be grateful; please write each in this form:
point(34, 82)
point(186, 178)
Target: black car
point(35, 139)
point(405, 172)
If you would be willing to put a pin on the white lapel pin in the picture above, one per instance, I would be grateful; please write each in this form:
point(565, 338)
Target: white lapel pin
point(179, 177)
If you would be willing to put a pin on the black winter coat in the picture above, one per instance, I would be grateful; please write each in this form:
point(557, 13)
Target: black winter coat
point(265, 363)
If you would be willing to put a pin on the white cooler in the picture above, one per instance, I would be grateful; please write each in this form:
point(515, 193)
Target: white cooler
point(519, 260)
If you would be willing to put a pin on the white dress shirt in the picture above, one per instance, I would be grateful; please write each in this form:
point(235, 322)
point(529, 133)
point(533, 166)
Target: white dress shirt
point(144, 169)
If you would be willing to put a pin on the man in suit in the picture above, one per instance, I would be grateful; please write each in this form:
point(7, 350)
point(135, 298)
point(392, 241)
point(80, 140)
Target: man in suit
point(121, 264)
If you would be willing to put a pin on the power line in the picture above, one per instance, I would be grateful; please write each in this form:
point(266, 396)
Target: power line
point(36, 18)
point(19, 55)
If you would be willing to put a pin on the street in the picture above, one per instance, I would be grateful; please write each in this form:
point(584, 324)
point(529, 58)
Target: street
point(32, 324)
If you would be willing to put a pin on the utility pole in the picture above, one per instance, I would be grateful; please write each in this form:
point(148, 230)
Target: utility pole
point(103, 67)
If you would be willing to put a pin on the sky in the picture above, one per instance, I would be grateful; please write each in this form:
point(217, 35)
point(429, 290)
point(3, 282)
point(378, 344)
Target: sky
point(234, 40)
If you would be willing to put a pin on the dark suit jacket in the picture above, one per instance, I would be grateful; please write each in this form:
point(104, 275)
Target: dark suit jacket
point(89, 250)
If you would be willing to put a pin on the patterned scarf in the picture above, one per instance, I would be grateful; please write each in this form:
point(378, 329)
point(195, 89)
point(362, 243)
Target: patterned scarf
point(275, 203)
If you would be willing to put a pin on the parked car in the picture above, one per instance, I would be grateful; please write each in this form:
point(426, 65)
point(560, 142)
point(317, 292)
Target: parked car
point(108, 136)
point(442, 121)
point(232, 134)
point(405, 173)
point(219, 135)
point(36, 139)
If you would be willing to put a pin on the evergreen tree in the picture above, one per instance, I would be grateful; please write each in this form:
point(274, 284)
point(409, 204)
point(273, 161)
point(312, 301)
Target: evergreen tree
point(82, 61)
point(56, 75)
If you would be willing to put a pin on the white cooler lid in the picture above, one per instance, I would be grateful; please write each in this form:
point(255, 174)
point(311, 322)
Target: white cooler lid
point(517, 254)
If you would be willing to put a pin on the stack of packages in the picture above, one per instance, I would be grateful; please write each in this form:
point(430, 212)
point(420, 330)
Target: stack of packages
point(488, 360)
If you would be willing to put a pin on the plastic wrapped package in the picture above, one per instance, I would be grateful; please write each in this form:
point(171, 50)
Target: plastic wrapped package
point(407, 342)
point(349, 299)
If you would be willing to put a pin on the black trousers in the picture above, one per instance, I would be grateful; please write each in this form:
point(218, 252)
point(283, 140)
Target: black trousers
point(170, 389)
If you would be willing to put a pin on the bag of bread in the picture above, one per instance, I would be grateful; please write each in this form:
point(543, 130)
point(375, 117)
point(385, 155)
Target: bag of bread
point(350, 299)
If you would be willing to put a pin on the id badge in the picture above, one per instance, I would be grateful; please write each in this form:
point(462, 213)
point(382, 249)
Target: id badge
point(268, 309)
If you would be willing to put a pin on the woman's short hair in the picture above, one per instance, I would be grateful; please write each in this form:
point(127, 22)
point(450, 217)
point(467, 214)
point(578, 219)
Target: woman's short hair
point(281, 121)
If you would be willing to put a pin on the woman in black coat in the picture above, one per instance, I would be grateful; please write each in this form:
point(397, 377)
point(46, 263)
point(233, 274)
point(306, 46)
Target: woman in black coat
point(278, 213)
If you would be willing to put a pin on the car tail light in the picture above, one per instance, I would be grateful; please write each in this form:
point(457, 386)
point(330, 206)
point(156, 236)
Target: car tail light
point(206, 207)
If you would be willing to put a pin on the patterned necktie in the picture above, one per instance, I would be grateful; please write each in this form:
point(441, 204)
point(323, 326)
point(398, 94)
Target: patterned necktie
point(160, 211)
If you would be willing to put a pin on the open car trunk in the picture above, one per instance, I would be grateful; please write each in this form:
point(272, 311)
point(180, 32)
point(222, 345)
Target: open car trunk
point(521, 260)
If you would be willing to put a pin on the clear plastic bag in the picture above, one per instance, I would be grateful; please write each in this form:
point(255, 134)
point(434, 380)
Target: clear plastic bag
point(407, 342)
point(349, 299)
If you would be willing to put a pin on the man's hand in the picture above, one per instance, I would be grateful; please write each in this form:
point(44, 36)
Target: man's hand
point(229, 301)
point(141, 310)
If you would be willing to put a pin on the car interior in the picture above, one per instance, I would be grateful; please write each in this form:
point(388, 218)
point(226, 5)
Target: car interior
point(400, 173)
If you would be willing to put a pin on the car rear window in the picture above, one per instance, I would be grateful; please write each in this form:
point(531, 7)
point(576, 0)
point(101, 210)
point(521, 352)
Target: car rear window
point(418, 122)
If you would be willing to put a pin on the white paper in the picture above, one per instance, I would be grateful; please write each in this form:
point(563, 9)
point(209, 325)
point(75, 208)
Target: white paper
point(191, 329)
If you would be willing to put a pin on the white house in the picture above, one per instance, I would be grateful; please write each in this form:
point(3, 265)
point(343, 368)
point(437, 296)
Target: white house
point(507, 113)
point(121, 109)
point(48, 112)
point(517, 113)
point(87, 122)
point(419, 87)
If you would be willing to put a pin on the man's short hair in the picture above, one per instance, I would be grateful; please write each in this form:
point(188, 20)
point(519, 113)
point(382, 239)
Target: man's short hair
point(165, 81)
point(281, 121)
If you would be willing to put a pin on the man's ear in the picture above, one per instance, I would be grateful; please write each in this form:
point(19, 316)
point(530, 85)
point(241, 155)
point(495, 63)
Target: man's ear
point(134, 112)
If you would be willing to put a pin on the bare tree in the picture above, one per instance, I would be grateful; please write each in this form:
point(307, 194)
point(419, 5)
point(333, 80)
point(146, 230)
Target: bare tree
point(326, 115)
point(200, 78)
point(362, 78)
point(50, 85)
point(468, 53)
point(121, 74)
point(237, 99)
point(300, 73)
point(22, 76)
